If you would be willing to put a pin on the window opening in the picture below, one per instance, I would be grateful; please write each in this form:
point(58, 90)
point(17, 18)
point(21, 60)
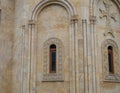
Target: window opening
point(53, 58)
point(110, 59)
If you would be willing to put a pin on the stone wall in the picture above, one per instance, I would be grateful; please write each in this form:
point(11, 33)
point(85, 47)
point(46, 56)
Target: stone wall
point(6, 48)
point(80, 28)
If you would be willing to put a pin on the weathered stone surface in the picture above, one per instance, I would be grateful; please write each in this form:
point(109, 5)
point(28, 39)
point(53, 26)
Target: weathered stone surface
point(81, 29)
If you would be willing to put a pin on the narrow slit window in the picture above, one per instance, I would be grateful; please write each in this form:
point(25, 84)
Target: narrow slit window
point(0, 16)
point(53, 58)
point(110, 59)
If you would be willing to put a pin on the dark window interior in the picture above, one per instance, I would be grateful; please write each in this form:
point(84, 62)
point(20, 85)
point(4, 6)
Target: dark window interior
point(110, 59)
point(0, 15)
point(53, 58)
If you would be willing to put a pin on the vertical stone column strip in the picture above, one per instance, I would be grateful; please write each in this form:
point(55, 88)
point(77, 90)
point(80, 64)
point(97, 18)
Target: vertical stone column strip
point(91, 50)
point(90, 77)
point(76, 62)
point(75, 50)
point(32, 72)
point(92, 28)
point(22, 56)
point(84, 28)
point(74, 55)
point(29, 62)
point(27, 48)
point(91, 7)
point(72, 58)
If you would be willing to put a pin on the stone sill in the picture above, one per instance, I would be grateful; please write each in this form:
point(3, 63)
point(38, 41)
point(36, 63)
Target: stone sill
point(112, 78)
point(53, 77)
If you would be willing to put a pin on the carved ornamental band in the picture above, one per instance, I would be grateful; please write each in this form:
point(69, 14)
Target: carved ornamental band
point(58, 76)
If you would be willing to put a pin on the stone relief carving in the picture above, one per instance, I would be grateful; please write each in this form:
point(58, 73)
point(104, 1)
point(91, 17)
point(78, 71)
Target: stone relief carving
point(107, 76)
point(109, 15)
point(58, 76)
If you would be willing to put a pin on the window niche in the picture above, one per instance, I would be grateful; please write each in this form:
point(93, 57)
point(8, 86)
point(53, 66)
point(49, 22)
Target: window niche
point(111, 64)
point(53, 60)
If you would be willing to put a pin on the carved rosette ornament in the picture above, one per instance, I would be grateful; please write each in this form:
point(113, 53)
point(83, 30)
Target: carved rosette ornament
point(106, 75)
point(109, 15)
point(58, 76)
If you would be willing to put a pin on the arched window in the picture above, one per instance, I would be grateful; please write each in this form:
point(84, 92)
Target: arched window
point(111, 63)
point(110, 59)
point(0, 16)
point(53, 58)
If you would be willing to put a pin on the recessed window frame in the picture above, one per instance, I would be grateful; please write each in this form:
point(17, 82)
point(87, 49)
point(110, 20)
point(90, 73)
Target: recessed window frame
point(57, 76)
point(112, 75)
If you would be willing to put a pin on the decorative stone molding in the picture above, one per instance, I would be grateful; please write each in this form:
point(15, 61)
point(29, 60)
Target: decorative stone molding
point(109, 15)
point(67, 5)
point(117, 2)
point(106, 75)
point(92, 19)
point(74, 18)
point(112, 78)
point(31, 22)
point(58, 76)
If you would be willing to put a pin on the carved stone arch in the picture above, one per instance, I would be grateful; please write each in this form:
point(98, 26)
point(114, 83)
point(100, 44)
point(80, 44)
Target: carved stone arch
point(117, 2)
point(73, 18)
point(109, 42)
point(67, 5)
point(58, 76)
point(107, 76)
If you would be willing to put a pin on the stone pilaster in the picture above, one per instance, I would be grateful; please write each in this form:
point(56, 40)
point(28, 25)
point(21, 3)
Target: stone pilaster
point(28, 59)
point(84, 29)
point(26, 65)
point(73, 57)
point(22, 57)
point(93, 63)
point(76, 62)
point(89, 63)
point(32, 64)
